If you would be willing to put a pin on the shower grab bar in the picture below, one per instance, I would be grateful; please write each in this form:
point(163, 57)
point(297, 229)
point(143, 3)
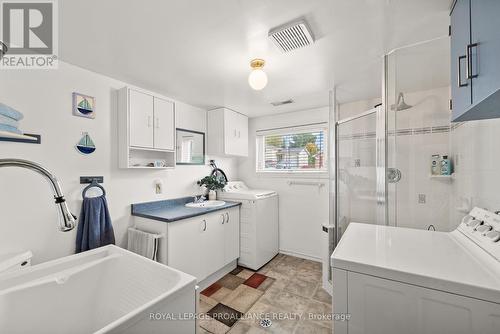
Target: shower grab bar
point(301, 183)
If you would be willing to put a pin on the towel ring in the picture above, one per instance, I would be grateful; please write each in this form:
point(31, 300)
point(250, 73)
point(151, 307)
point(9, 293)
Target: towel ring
point(93, 184)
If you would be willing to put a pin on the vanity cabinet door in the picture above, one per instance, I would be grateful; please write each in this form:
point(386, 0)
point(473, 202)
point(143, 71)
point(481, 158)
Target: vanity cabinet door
point(186, 246)
point(232, 234)
point(213, 247)
point(141, 119)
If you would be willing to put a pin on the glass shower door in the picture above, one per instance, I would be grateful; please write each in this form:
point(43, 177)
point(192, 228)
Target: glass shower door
point(356, 170)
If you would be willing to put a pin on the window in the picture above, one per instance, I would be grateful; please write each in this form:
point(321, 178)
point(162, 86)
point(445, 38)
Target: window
point(298, 149)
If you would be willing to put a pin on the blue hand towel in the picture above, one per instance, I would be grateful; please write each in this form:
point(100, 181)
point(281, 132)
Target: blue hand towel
point(10, 112)
point(8, 128)
point(94, 226)
point(9, 121)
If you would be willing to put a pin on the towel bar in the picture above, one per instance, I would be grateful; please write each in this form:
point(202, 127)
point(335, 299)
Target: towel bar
point(302, 183)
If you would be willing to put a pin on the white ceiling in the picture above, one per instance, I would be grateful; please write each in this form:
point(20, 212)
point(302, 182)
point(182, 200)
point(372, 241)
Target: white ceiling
point(198, 51)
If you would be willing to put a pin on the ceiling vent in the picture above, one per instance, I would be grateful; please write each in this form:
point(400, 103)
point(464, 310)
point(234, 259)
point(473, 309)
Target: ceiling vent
point(280, 103)
point(291, 36)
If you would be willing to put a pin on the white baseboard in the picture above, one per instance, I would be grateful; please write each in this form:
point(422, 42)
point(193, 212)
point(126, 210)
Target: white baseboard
point(301, 255)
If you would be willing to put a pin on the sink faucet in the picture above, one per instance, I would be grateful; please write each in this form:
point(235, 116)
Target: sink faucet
point(199, 200)
point(67, 221)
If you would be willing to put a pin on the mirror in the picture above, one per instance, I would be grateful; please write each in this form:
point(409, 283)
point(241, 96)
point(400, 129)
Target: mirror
point(190, 147)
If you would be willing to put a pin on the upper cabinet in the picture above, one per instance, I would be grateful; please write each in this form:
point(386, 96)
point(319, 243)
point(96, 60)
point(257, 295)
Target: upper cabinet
point(146, 130)
point(475, 60)
point(164, 124)
point(227, 133)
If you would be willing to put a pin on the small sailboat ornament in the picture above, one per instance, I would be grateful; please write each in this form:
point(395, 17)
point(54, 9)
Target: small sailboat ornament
point(86, 145)
point(85, 107)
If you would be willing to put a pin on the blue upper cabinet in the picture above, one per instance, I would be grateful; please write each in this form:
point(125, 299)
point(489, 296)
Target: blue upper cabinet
point(475, 62)
point(461, 88)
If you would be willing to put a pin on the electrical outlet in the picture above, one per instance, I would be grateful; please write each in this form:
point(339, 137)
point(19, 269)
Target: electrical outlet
point(421, 198)
point(357, 162)
point(158, 186)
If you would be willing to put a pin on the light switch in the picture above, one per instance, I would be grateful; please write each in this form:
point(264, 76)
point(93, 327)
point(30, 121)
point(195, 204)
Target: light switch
point(421, 198)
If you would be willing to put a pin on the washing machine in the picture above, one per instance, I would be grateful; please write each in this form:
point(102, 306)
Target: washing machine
point(389, 280)
point(259, 227)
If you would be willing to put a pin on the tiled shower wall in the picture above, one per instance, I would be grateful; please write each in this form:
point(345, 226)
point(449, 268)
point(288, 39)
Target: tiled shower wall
point(417, 200)
point(475, 148)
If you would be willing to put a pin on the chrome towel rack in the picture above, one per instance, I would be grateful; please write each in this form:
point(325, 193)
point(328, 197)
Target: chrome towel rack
point(306, 183)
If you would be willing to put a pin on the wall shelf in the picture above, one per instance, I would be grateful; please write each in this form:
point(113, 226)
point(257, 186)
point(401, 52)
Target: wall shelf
point(20, 138)
point(442, 177)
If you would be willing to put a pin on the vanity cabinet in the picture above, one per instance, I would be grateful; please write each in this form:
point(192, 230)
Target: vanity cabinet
point(227, 133)
point(199, 246)
point(146, 130)
point(475, 64)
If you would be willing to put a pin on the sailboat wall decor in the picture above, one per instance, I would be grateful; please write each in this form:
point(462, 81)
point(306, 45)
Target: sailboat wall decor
point(83, 105)
point(86, 145)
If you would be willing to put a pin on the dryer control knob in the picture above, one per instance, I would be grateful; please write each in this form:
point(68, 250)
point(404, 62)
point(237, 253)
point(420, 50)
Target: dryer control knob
point(493, 235)
point(467, 220)
point(473, 224)
point(483, 229)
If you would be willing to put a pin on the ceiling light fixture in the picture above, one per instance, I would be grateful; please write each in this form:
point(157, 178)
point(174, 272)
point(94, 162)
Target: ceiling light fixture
point(257, 78)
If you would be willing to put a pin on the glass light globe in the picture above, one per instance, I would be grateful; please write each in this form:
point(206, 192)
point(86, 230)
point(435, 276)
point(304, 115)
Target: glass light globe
point(257, 79)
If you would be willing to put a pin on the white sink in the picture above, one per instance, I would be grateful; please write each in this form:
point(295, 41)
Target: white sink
point(206, 204)
point(105, 290)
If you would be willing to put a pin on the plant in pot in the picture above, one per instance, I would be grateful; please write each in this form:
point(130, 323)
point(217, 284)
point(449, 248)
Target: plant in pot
point(212, 183)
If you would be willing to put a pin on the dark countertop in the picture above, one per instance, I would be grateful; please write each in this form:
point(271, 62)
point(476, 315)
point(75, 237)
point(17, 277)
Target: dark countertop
point(173, 209)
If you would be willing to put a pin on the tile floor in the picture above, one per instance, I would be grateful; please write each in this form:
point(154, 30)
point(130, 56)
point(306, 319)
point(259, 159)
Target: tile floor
point(287, 291)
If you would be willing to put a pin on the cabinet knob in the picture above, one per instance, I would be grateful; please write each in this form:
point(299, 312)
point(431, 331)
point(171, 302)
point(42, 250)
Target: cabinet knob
point(227, 217)
point(204, 225)
point(223, 219)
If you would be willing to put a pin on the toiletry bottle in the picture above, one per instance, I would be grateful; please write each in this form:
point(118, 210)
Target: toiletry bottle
point(435, 165)
point(445, 166)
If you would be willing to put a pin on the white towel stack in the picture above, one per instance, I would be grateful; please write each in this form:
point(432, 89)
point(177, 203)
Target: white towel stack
point(9, 119)
point(143, 243)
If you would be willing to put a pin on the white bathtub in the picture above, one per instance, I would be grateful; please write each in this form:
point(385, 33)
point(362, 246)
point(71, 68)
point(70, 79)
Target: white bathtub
point(106, 290)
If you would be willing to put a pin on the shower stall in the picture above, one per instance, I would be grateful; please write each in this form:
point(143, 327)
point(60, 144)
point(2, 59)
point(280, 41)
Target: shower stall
point(381, 148)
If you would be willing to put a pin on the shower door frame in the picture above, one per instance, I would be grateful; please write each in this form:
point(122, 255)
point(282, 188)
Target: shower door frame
point(381, 147)
point(381, 137)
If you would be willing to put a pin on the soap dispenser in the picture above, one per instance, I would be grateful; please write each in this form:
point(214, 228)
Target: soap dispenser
point(445, 165)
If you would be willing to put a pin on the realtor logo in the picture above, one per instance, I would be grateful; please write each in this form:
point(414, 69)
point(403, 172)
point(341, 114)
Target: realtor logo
point(29, 30)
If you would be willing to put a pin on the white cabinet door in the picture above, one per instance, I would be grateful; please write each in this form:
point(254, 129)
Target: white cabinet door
point(186, 246)
point(235, 133)
point(232, 234)
point(164, 124)
point(242, 134)
point(214, 243)
point(141, 119)
point(380, 306)
point(230, 132)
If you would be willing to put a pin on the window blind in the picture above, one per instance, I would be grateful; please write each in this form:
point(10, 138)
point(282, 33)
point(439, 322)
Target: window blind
point(298, 149)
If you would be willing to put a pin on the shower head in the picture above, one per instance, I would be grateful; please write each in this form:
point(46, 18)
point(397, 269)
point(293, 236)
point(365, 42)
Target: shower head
point(3, 49)
point(401, 104)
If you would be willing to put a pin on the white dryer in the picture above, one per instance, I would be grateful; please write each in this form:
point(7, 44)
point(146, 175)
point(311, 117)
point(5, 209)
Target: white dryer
point(389, 280)
point(259, 239)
